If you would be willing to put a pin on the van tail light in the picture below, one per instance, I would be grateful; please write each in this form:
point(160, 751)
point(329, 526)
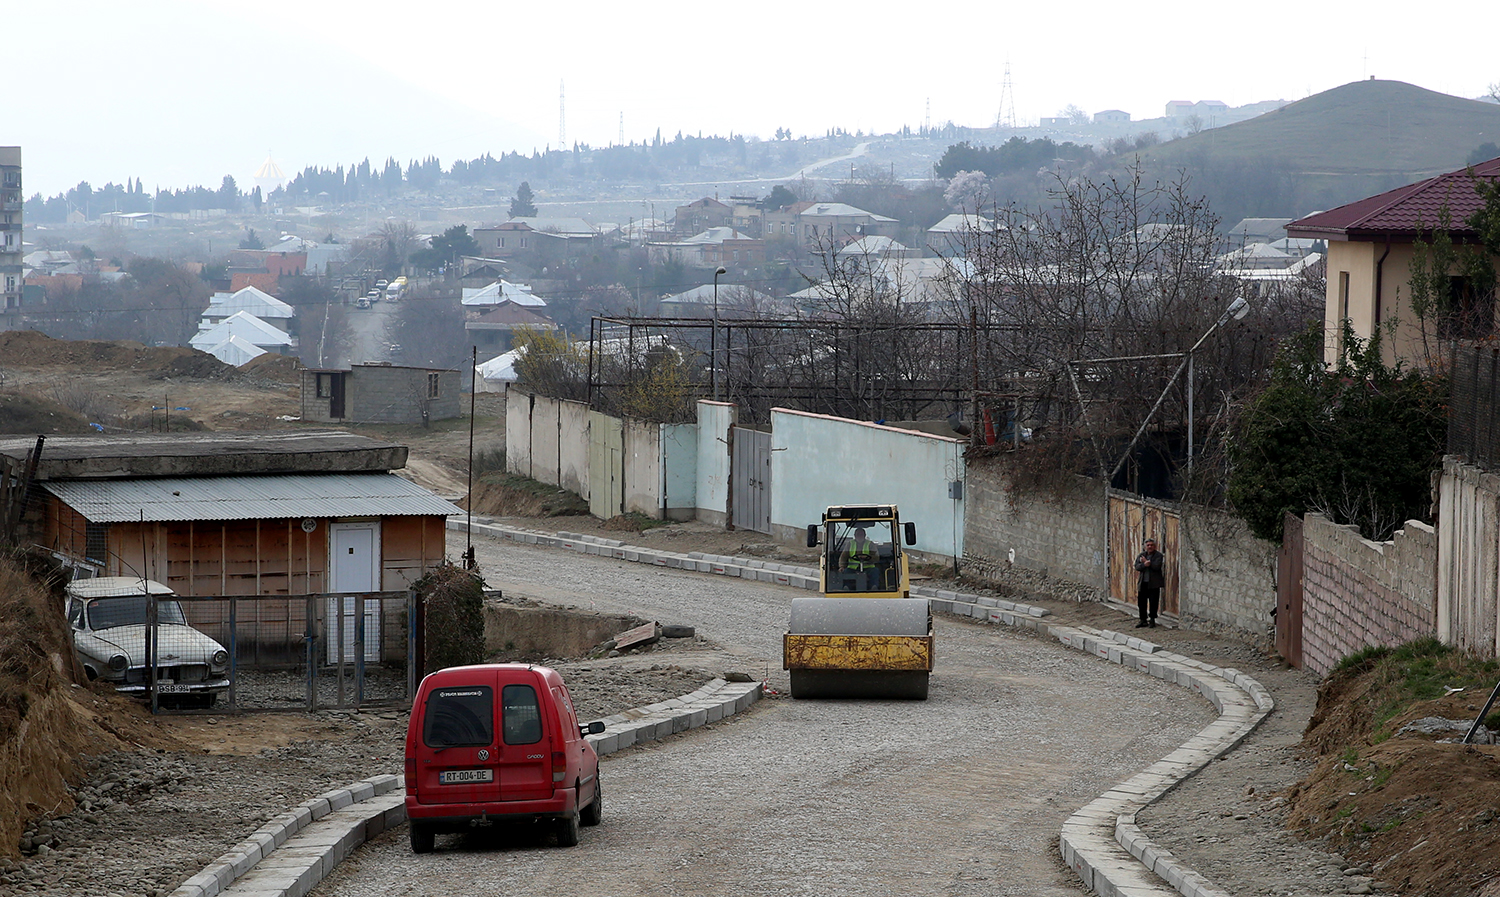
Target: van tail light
point(559, 766)
point(411, 773)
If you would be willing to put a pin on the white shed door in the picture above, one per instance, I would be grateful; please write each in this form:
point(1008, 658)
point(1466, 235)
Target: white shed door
point(354, 566)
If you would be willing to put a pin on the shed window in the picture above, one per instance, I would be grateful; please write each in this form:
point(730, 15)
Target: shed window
point(434, 385)
point(325, 386)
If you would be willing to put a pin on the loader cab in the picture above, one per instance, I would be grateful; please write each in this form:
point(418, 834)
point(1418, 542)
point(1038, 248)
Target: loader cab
point(862, 551)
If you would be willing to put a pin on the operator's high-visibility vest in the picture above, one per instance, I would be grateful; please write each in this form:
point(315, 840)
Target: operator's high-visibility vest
point(861, 558)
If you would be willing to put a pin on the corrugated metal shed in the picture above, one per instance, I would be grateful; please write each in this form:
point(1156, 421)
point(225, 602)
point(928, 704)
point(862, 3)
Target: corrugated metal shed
point(249, 498)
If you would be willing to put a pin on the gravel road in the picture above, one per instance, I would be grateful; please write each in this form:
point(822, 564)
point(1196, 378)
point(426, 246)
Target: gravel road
point(963, 793)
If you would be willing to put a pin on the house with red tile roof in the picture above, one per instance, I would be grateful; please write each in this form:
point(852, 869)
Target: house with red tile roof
point(1370, 251)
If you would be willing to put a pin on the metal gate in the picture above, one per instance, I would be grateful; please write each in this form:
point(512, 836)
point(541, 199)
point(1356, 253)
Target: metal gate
point(750, 479)
point(1133, 520)
point(606, 466)
point(1289, 592)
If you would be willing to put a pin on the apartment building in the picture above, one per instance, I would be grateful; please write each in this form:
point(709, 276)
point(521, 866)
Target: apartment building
point(11, 202)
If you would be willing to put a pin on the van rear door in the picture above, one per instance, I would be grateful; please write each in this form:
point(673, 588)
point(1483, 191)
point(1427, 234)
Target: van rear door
point(525, 744)
point(458, 738)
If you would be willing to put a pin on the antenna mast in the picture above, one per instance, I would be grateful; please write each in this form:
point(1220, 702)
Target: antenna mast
point(562, 118)
point(1006, 117)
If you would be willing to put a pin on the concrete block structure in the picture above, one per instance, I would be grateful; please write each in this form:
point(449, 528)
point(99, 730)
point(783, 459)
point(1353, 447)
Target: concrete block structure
point(380, 393)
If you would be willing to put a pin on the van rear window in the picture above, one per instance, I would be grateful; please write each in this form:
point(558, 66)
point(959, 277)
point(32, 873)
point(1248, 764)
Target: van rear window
point(521, 719)
point(460, 717)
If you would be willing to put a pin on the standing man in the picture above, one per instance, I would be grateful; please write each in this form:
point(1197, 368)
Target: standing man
point(1150, 565)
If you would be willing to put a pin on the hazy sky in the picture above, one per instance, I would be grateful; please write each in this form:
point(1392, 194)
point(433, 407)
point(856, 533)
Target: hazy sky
point(180, 93)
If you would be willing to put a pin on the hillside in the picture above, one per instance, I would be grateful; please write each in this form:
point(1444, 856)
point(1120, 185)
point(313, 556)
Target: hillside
point(1342, 144)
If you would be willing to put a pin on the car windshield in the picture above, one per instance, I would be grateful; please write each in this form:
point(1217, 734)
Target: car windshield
point(107, 613)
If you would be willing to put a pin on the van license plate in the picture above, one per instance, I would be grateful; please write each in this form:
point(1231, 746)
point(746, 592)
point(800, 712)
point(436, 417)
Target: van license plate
point(460, 776)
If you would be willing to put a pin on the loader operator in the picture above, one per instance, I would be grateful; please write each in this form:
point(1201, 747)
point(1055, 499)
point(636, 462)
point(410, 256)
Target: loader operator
point(859, 558)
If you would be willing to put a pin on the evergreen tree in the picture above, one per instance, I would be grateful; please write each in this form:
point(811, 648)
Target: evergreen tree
point(523, 206)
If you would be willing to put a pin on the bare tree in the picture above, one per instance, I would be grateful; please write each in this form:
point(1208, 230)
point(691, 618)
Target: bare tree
point(1084, 310)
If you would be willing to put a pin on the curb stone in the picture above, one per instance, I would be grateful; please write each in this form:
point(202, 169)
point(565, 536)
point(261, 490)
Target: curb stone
point(1101, 842)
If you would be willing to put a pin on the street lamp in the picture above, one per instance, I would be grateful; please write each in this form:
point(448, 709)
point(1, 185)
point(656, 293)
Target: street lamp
point(713, 340)
point(1236, 310)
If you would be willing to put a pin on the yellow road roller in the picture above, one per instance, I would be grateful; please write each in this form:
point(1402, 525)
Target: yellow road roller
point(864, 636)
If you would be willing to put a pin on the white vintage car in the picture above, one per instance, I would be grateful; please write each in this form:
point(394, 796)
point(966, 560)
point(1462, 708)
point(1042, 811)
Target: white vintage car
point(109, 617)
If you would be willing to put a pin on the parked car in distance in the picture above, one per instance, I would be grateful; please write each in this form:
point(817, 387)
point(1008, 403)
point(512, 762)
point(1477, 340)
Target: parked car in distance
point(109, 617)
point(498, 742)
point(362, 302)
point(381, 284)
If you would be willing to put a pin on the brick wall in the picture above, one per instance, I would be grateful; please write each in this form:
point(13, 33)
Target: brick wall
point(1357, 593)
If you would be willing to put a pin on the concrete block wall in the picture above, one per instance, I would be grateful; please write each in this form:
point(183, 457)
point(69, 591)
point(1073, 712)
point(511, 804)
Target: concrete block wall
point(1060, 535)
point(396, 395)
point(1357, 593)
point(1227, 577)
point(1468, 578)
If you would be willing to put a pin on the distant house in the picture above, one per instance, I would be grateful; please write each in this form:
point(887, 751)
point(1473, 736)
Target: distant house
point(734, 300)
point(380, 393)
point(877, 247)
point(247, 327)
point(548, 237)
point(501, 292)
point(1370, 251)
point(956, 235)
point(714, 247)
point(251, 300)
point(235, 351)
point(494, 328)
point(829, 225)
point(701, 215)
point(1112, 116)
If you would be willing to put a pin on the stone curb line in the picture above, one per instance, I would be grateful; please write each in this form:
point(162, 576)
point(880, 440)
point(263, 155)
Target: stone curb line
point(1102, 841)
point(291, 853)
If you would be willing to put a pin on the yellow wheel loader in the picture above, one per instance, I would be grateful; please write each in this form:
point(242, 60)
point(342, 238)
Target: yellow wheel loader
point(864, 636)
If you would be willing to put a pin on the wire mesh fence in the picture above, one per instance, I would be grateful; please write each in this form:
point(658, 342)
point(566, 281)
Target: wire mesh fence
point(304, 652)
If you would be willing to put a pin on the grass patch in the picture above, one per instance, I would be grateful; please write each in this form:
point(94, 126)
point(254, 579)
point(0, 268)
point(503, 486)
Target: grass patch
point(1420, 670)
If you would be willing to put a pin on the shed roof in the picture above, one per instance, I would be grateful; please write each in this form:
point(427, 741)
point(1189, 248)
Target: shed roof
point(1405, 211)
point(180, 499)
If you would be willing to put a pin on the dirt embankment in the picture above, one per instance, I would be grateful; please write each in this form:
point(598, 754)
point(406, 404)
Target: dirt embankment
point(1399, 795)
point(48, 725)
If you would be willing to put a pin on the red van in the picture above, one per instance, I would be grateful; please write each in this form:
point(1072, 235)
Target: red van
point(498, 742)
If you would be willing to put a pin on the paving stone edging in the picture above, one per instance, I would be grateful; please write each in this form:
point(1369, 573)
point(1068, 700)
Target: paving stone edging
point(1101, 842)
point(353, 815)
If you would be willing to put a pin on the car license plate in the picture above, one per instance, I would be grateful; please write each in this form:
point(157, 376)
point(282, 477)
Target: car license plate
point(172, 688)
point(463, 776)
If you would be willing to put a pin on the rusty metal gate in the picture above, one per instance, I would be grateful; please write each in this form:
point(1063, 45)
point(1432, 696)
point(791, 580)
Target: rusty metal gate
point(1289, 592)
point(750, 480)
point(1131, 521)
